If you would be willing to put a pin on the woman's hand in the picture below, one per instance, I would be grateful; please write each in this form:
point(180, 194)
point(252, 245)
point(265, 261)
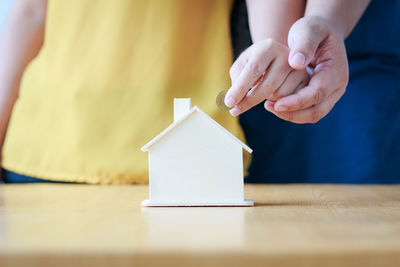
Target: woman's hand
point(264, 68)
point(317, 40)
point(313, 41)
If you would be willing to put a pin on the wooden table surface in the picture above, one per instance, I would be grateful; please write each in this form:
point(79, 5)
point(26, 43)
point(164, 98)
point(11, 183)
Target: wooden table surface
point(306, 225)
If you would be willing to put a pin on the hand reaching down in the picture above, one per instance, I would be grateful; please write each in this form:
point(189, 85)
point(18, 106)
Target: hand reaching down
point(262, 72)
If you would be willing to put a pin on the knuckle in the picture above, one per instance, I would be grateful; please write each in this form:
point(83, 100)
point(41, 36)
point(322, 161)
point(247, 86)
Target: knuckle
point(255, 69)
point(274, 97)
point(268, 43)
point(235, 68)
point(319, 95)
point(300, 102)
point(315, 115)
point(290, 116)
point(319, 84)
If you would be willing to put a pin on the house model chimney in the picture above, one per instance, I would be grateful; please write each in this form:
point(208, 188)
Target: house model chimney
point(181, 107)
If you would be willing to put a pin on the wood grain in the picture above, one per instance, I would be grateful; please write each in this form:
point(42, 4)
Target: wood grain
point(302, 225)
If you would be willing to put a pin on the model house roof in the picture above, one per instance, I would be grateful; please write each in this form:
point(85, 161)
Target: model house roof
point(182, 119)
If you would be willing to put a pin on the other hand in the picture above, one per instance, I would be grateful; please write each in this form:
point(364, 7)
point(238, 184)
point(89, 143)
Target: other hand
point(313, 42)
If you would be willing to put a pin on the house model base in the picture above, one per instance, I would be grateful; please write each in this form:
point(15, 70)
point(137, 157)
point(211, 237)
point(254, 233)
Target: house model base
point(195, 162)
point(149, 203)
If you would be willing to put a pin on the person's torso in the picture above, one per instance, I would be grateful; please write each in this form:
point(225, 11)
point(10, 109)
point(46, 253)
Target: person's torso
point(377, 33)
point(104, 82)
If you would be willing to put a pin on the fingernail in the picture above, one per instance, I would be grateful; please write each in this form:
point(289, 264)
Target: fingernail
point(269, 106)
point(281, 108)
point(298, 59)
point(230, 101)
point(234, 112)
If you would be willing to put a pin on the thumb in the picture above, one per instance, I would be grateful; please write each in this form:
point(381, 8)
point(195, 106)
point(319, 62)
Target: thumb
point(304, 37)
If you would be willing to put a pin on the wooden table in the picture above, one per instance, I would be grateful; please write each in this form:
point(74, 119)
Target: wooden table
point(306, 225)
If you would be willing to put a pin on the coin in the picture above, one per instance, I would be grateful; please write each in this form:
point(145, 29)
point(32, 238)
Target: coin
point(220, 100)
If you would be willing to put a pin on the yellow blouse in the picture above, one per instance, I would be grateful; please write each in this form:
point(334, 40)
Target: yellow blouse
point(104, 82)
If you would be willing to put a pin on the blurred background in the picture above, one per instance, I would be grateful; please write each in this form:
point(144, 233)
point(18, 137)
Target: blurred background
point(365, 119)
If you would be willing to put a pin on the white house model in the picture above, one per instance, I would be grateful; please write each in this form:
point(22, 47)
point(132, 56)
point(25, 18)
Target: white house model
point(195, 162)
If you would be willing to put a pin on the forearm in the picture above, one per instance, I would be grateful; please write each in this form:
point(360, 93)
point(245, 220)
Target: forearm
point(273, 18)
point(342, 15)
point(19, 44)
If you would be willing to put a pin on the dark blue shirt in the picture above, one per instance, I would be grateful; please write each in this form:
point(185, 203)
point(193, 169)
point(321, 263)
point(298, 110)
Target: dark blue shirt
point(359, 140)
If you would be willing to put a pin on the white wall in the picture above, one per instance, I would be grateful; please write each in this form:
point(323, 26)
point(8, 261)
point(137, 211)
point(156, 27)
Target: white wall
point(5, 6)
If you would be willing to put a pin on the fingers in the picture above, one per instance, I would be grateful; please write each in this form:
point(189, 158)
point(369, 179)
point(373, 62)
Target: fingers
point(270, 82)
point(297, 79)
point(311, 114)
point(238, 65)
point(321, 86)
point(260, 57)
point(304, 38)
point(266, 69)
point(275, 76)
point(252, 98)
point(304, 98)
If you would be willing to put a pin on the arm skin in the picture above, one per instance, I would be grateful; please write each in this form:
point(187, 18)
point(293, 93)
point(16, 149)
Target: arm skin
point(21, 41)
point(272, 18)
point(342, 15)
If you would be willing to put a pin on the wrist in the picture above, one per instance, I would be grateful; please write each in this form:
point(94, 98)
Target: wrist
point(266, 34)
point(326, 26)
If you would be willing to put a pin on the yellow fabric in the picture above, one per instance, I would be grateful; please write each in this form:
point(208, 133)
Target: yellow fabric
point(104, 82)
